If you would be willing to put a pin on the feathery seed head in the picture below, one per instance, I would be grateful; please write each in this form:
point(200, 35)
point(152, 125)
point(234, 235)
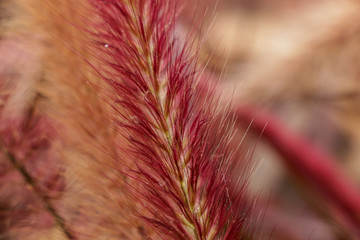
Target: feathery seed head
point(179, 163)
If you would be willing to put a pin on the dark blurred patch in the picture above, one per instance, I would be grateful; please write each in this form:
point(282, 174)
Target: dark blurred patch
point(3, 221)
point(325, 134)
point(4, 13)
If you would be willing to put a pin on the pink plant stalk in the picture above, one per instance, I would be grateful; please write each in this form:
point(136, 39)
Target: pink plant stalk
point(317, 170)
point(174, 151)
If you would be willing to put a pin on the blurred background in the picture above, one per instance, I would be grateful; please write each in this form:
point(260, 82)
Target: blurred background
point(298, 60)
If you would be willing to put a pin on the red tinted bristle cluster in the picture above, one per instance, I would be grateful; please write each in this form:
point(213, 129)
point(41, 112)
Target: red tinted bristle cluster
point(31, 176)
point(174, 149)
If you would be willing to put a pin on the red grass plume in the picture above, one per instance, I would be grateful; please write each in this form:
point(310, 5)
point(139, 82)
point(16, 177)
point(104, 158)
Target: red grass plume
point(176, 154)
